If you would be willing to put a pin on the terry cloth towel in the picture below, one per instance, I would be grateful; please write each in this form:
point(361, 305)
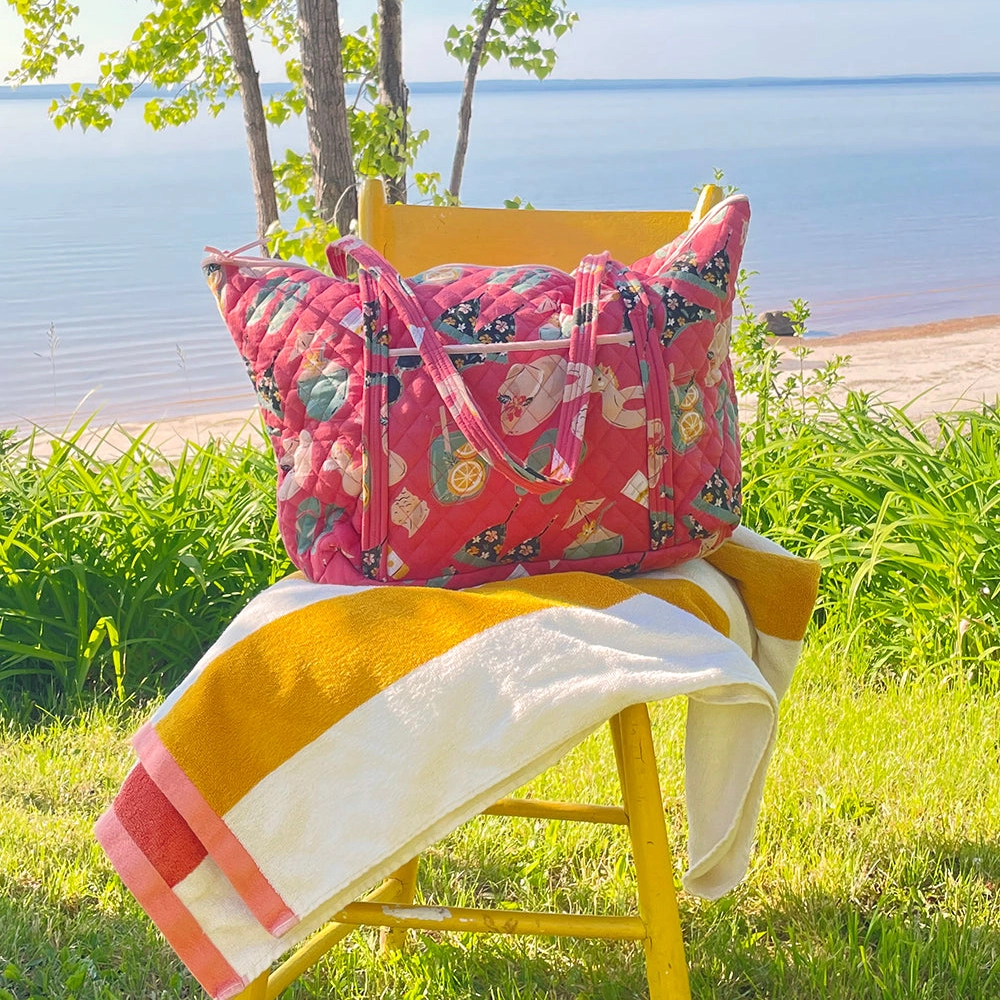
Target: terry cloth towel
point(332, 733)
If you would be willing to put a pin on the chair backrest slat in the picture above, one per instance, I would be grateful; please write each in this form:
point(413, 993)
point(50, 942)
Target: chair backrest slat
point(417, 237)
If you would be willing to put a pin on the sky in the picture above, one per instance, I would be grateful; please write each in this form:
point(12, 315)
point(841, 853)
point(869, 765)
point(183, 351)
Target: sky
point(653, 39)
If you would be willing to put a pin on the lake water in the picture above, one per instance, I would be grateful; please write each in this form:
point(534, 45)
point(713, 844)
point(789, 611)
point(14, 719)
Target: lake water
point(876, 202)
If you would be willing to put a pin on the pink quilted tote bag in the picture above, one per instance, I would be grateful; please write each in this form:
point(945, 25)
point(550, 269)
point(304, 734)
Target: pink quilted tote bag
point(478, 423)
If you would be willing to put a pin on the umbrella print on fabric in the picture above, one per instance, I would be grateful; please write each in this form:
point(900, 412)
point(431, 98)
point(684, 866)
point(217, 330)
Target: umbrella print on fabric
point(629, 569)
point(716, 271)
point(582, 509)
point(527, 550)
point(713, 275)
point(313, 521)
point(680, 314)
point(630, 298)
point(499, 330)
point(371, 561)
point(460, 320)
point(483, 548)
point(291, 292)
point(661, 528)
point(720, 499)
point(376, 332)
point(540, 458)
point(294, 295)
point(697, 531)
point(325, 394)
point(266, 389)
point(686, 265)
point(593, 539)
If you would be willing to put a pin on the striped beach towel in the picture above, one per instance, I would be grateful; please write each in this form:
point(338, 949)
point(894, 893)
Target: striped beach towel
point(332, 733)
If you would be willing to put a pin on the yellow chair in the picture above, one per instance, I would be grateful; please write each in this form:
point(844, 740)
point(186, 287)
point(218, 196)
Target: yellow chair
point(413, 238)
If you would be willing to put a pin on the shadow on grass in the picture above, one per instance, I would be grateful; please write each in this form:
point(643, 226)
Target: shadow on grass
point(923, 924)
point(75, 949)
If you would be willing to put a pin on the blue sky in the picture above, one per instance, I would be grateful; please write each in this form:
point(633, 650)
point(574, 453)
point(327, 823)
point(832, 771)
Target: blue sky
point(661, 38)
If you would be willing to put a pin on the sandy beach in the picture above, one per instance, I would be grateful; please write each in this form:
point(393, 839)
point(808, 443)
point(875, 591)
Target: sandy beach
point(931, 368)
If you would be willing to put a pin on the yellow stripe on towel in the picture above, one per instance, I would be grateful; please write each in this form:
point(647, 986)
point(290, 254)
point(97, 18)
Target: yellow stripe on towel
point(778, 590)
point(383, 632)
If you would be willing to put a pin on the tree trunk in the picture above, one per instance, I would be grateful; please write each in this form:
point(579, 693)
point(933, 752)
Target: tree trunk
point(392, 91)
point(253, 117)
point(465, 109)
point(326, 112)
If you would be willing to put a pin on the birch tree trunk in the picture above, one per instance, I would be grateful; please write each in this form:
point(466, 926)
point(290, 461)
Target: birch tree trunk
point(392, 90)
point(465, 108)
point(261, 170)
point(326, 112)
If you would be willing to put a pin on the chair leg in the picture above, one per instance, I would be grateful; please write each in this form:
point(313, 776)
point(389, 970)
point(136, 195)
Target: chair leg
point(394, 938)
point(615, 725)
point(666, 968)
point(257, 990)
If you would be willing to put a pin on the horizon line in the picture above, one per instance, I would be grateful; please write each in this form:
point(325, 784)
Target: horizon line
point(596, 83)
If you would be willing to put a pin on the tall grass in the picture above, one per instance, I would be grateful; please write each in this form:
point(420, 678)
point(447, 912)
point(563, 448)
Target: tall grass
point(116, 574)
point(904, 515)
point(875, 876)
point(905, 518)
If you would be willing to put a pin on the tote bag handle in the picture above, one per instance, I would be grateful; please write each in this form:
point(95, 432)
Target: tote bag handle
point(378, 274)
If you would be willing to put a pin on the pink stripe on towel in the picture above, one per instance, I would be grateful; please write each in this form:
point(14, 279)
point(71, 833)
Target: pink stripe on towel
point(184, 934)
point(221, 843)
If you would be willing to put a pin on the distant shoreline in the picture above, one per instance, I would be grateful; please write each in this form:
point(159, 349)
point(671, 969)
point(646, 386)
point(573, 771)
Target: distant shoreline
point(945, 365)
point(51, 90)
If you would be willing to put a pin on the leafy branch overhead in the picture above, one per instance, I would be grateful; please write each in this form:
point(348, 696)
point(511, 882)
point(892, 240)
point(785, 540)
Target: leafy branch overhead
point(198, 56)
point(512, 34)
point(508, 33)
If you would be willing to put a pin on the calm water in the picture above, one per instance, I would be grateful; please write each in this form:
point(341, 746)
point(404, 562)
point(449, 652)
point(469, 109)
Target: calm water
point(877, 203)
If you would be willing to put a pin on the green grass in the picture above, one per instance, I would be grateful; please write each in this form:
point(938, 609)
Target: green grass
point(876, 874)
point(905, 519)
point(877, 871)
point(116, 574)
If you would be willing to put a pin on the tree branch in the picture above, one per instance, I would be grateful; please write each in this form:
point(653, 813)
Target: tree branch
point(465, 108)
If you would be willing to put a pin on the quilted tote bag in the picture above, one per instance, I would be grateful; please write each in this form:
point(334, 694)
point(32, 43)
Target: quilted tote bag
point(479, 423)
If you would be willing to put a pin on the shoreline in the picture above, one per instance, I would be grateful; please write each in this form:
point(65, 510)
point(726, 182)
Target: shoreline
point(928, 368)
point(939, 328)
point(945, 365)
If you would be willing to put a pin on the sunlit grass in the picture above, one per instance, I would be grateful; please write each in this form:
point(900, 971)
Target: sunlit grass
point(876, 873)
point(905, 519)
point(877, 869)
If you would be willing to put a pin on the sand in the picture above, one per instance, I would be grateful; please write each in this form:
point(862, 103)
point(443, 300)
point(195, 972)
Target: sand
point(930, 368)
point(934, 367)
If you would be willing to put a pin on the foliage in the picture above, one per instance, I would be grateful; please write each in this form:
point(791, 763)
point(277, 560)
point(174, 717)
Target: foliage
point(513, 34)
point(903, 515)
point(116, 574)
point(180, 48)
point(375, 134)
point(46, 39)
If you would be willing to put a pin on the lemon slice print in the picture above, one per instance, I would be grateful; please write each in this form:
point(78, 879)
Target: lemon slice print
point(690, 398)
point(691, 426)
point(466, 478)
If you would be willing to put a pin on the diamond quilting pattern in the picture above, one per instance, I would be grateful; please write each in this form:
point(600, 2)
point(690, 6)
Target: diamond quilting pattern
point(377, 480)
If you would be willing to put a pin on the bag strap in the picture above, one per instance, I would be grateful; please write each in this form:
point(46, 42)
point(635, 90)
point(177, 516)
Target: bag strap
point(377, 274)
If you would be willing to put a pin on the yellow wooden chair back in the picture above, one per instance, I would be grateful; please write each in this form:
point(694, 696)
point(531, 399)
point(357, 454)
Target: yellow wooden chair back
point(414, 238)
